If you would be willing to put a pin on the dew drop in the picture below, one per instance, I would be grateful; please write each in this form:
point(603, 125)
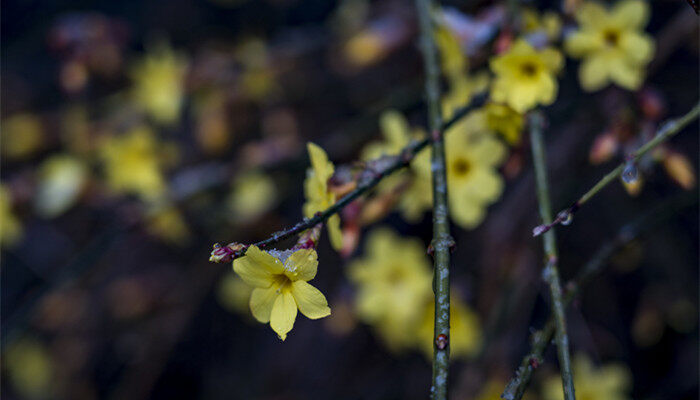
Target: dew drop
point(565, 217)
point(630, 174)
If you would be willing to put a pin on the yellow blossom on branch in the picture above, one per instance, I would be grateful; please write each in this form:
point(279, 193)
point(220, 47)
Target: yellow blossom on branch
point(612, 44)
point(281, 286)
point(525, 76)
point(609, 382)
point(318, 197)
point(159, 83)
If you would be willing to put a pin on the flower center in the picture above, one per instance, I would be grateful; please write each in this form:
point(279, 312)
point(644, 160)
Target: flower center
point(460, 167)
point(281, 282)
point(528, 69)
point(612, 37)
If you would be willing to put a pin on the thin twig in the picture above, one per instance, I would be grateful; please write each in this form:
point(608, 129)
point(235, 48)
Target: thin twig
point(540, 339)
point(442, 242)
point(392, 164)
point(550, 272)
point(665, 132)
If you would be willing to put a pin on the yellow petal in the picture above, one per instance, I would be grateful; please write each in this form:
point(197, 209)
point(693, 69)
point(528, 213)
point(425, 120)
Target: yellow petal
point(466, 213)
point(395, 129)
point(552, 59)
point(632, 14)
point(319, 162)
point(638, 48)
point(261, 302)
point(626, 75)
point(283, 314)
point(591, 14)
point(593, 73)
point(257, 268)
point(334, 232)
point(582, 43)
point(311, 302)
point(301, 265)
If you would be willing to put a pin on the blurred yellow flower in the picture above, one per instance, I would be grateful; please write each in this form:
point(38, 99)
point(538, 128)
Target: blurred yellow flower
point(393, 285)
point(547, 22)
point(166, 222)
point(21, 136)
point(318, 197)
point(257, 80)
point(159, 83)
point(454, 63)
point(525, 76)
point(61, 180)
point(29, 368)
point(396, 134)
point(612, 44)
point(504, 120)
point(472, 156)
point(234, 294)
point(610, 382)
point(132, 164)
point(253, 194)
point(465, 330)
point(10, 226)
point(281, 286)
point(365, 48)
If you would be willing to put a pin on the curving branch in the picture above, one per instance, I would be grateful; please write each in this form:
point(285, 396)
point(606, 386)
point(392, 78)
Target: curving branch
point(665, 132)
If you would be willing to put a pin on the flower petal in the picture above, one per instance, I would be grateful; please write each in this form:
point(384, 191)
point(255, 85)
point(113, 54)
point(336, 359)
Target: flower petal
point(638, 48)
point(261, 302)
point(334, 232)
point(283, 314)
point(632, 14)
point(311, 302)
point(323, 168)
point(301, 265)
point(265, 259)
point(593, 73)
point(591, 14)
point(253, 269)
point(579, 44)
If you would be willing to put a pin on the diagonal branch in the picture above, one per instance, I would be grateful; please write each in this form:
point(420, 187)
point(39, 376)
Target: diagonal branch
point(550, 272)
point(667, 131)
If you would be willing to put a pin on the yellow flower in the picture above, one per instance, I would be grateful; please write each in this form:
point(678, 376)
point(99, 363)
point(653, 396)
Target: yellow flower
point(465, 330)
point(610, 382)
point(472, 156)
point(393, 285)
point(396, 132)
point(318, 197)
point(253, 194)
point(159, 83)
point(10, 226)
point(61, 179)
point(454, 66)
point(612, 44)
point(281, 286)
point(547, 22)
point(234, 293)
point(525, 76)
point(504, 120)
point(21, 136)
point(29, 368)
point(132, 164)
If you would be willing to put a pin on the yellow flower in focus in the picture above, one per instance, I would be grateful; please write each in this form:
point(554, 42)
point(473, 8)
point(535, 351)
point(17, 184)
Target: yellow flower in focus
point(612, 44)
point(504, 120)
point(132, 164)
point(253, 194)
point(465, 330)
point(167, 223)
point(472, 157)
point(61, 179)
point(281, 286)
point(610, 382)
point(10, 226)
point(393, 284)
point(318, 197)
point(234, 293)
point(525, 76)
point(159, 83)
point(29, 368)
point(21, 136)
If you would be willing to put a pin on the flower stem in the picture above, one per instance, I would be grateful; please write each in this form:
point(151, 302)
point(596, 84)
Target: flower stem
point(551, 273)
point(442, 242)
point(540, 339)
point(665, 132)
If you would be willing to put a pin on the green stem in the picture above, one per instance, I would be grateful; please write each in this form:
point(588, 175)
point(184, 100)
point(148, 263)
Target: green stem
point(442, 242)
point(539, 340)
point(551, 273)
point(665, 132)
